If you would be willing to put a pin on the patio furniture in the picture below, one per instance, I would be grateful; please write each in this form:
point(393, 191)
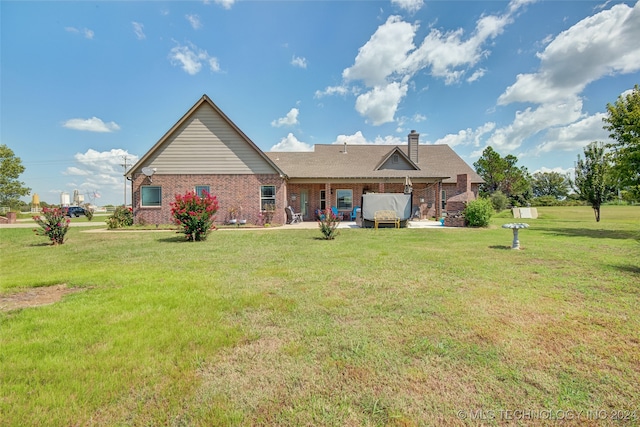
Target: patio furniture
point(335, 212)
point(292, 217)
point(385, 217)
point(354, 213)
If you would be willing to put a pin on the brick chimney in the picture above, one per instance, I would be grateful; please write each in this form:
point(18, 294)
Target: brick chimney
point(414, 139)
point(463, 183)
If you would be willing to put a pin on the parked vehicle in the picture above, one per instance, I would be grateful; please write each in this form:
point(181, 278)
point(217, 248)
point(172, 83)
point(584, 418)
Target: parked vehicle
point(75, 211)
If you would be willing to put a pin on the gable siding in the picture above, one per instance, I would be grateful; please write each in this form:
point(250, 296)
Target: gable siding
point(401, 165)
point(208, 144)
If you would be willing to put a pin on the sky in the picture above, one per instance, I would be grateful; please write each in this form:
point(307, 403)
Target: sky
point(86, 87)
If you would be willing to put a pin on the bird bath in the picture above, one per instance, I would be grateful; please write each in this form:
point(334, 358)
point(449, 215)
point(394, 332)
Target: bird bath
point(515, 227)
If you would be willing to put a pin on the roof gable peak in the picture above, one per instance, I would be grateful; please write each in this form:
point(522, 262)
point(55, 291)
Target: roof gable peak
point(396, 159)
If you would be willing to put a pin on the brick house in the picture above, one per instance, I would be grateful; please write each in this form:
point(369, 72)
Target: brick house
point(205, 150)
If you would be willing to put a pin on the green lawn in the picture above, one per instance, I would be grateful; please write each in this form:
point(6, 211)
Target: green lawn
point(277, 327)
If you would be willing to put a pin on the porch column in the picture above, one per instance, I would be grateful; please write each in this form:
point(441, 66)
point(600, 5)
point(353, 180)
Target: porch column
point(438, 189)
point(328, 196)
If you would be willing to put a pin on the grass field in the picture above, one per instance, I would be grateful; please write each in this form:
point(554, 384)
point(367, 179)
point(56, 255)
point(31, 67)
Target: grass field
point(277, 327)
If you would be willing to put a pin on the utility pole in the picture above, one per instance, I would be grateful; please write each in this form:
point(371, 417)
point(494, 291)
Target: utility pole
point(125, 179)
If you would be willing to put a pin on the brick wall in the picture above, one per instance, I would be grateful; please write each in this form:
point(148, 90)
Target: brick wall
point(231, 191)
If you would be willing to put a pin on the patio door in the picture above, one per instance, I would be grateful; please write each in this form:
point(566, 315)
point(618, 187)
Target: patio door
point(304, 203)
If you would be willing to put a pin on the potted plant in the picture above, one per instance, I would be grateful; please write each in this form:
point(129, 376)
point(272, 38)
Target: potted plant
point(233, 213)
point(241, 219)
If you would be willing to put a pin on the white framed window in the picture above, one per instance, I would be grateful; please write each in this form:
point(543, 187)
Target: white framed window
point(151, 196)
point(344, 200)
point(267, 197)
point(323, 200)
point(200, 189)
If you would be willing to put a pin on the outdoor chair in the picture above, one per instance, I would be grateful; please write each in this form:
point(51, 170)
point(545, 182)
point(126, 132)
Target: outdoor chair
point(354, 213)
point(292, 217)
point(335, 212)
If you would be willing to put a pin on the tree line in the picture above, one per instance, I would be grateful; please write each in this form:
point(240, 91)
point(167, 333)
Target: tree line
point(606, 171)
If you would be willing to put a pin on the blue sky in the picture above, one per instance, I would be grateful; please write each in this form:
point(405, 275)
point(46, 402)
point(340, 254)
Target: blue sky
point(86, 84)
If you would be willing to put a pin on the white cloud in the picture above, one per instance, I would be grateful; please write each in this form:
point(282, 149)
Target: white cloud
point(138, 30)
point(384, 54)
point(289, 120)
point(194, 21)
point(298, 61)
point(226, 4)
point(359, 139)
point(356, 138)
point(332, 90)
point(599, 45)
point(72, 170)
point(93, 124)
point(291, 143)
point(410, 6)
point(575, 136)
point(380, 104)
point(85, 32)
point(390, 57)
point(531, 121)
point(558, 169)
point(100, 171)
point(467, 136)
point(476, 75)
point(190, 58)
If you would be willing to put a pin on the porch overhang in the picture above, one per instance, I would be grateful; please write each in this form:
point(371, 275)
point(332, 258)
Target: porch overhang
point(366, 180)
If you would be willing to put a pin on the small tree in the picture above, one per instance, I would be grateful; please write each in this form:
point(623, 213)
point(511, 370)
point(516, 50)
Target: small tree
point(550, 184)
point(11, 188)
point(623, 121)
point(591, 177)
point(499, 201)
point(195, 214)
point(54, 225)
point(478, 212)
point(328, 223)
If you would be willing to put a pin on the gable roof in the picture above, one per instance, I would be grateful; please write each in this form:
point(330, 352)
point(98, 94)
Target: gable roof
point(231, 142)
point(406, 160)
point(330, 161)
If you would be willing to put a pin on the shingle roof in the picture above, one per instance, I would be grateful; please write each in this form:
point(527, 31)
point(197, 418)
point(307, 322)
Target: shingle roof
point(360, 161)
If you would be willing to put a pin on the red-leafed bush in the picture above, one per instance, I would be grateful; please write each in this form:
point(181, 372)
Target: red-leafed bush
point(195, 214)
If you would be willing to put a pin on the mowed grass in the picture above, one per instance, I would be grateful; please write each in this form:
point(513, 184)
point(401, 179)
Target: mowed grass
point(277, 327)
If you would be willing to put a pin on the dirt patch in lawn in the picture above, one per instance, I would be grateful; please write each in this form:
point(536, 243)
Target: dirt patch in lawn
point(35, 297)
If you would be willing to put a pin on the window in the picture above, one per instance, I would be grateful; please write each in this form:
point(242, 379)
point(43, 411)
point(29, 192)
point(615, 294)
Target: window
point(344, 200)
point(267, 197)
point(200, 189)
point(323, 200)
point(151, 196)
point(395, 159)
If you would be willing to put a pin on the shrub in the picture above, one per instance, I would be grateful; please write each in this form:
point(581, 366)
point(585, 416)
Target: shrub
point(195, 214)
point(88, 212)
point(499, 201)
point(478, 212)
point(54, 225)
point(328, 223)
point(121, 217)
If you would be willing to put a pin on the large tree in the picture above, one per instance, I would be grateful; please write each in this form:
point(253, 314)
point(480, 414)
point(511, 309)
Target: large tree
point(550, 184)
point(592, 175)
point(623, 121)
point(11, 189)
point(503, 174)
